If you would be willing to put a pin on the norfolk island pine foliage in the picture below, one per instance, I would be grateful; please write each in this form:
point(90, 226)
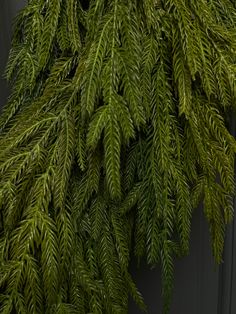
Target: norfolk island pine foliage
point(115, 130)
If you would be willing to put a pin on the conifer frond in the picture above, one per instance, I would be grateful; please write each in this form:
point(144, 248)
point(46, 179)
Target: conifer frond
point(111, 272)
point(33, 289)
point(49, 30)
point(93, 66)
point(66, 234)
point(62, 29)
point(64, 158)
point(121, 235)
point(167, 273)
point(73, 30)
point(97, 216)
point(135, 293)
point(112, 146)
point(49, 259)
point(115, 130)
point(97, 126)
point(182, 76)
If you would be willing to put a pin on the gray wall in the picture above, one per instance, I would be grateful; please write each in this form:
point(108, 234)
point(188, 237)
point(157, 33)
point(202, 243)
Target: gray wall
point(8, 9)
point(200, 286)
point(196, 278)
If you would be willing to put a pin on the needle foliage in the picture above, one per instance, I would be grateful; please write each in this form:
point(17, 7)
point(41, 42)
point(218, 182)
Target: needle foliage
point(115, 130)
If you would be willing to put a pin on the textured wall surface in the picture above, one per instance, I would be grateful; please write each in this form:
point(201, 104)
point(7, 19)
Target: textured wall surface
point(200, 286)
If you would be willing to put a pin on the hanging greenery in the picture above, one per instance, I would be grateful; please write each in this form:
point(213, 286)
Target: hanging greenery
point(115, 130)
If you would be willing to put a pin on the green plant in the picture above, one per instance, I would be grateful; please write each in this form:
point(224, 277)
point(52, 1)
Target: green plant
point(115, 130)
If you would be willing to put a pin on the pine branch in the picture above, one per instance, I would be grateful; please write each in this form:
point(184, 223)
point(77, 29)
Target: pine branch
point(115, 130)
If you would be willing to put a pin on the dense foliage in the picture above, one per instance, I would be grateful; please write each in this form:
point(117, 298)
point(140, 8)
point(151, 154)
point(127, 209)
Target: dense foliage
point(115, 130)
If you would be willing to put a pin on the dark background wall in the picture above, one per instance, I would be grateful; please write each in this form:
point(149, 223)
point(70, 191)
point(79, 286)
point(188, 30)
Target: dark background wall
point(201, 287)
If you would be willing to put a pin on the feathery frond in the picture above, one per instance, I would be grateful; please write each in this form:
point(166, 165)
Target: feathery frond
point(116, 129)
